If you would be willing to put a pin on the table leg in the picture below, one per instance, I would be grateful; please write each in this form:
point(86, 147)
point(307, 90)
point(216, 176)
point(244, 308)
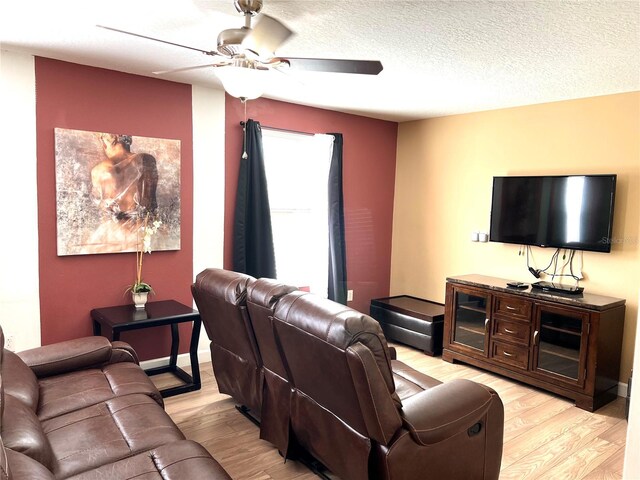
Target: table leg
point(175, 344)
point(97, 329)
point(115, 335)
point(193, 353)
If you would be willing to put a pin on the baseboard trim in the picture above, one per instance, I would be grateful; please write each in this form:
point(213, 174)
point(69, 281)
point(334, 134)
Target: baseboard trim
point(622, 389)
point(183, 360)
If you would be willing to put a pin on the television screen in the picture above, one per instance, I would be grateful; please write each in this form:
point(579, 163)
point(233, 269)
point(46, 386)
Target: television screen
point(573, 212)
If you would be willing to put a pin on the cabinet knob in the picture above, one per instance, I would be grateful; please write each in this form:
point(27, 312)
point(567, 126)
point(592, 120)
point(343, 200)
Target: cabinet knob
point(509, 307)
point(509, 331)
point(535, 337)
point(486, 322)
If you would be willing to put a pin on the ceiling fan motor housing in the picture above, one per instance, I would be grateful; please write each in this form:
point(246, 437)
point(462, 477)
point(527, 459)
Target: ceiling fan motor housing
point(251, 7)
point(230, 41)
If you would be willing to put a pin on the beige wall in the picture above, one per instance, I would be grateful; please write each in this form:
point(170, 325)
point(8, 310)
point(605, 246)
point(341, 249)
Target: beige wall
point(445, 168)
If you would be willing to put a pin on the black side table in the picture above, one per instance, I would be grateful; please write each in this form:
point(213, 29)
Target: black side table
point(168, 312)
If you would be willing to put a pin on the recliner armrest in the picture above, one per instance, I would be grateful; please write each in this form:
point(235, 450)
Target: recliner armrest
point(393, 354)
point(123, 352)
point(445, 410)
point(67, 356)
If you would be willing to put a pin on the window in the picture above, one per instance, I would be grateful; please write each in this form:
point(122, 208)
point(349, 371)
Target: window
point(297, 169)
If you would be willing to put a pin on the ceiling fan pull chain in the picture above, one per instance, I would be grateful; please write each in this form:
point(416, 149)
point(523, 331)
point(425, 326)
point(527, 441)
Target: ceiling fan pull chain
point(244, 131)
point(244, 143)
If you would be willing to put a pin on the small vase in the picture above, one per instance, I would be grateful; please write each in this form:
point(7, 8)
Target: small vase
point(139, 299)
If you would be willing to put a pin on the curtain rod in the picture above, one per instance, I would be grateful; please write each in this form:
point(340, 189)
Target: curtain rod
point(282, 130)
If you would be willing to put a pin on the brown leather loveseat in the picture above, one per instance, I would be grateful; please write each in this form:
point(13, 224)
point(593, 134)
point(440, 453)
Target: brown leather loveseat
point(330, 385)
point(84, 409)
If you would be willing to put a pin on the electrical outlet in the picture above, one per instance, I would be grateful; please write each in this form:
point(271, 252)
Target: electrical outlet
point(349, 295)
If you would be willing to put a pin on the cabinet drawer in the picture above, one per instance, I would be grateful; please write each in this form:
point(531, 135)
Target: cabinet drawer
point(512, 331)
point(513, 355)
point(511, 307)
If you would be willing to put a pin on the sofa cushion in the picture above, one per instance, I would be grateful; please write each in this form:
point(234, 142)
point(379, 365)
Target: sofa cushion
point(22, 432)
point(65, 393)
point(410, 381)
point(183, 460)
point(19, 380)
point(108, 432)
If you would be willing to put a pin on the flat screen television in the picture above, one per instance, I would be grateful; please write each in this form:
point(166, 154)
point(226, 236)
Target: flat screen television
point(571, 211)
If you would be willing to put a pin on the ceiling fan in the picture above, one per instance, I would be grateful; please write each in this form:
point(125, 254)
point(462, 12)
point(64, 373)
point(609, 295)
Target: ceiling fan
point(253, 48)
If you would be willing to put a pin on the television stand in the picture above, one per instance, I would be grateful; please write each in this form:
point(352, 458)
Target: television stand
point(570, 345)
point(557, 287)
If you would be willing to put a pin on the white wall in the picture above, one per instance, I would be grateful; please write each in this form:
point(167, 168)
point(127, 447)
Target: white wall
point(19, 292)
point(208, 185)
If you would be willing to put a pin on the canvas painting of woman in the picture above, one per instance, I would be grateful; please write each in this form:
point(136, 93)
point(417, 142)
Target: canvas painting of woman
point(109, 184)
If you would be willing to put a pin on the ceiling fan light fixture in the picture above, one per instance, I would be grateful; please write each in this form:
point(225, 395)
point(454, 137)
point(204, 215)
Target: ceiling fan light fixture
point(242, 79)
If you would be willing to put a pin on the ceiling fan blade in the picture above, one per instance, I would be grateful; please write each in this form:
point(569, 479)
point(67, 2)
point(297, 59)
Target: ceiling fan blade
point(186, 69)
point(266, 36)
point(362, 67)
point(206, 52)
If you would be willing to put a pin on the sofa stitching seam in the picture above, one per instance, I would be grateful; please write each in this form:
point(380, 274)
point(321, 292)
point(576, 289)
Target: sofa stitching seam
point(117, 424)
point(47, 432)
point(177, 461)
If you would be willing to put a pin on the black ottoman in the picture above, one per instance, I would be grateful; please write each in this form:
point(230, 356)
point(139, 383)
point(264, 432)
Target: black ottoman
point(410, 320)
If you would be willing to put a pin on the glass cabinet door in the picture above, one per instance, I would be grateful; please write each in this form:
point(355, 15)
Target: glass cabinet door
point(470, 320)
point(560, 341)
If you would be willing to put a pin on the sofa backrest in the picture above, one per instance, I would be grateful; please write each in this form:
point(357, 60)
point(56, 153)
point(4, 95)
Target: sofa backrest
point(1, 382)
point(5, 472)
point(22, 431)
point(262, 297)
point(16, 378)
point(16, 466)
point(19, 381)
point(20, 428)
point(338, 363)
point(221, 299)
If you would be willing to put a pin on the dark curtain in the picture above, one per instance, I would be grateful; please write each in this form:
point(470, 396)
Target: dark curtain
point(253, 251)
point(337, 250)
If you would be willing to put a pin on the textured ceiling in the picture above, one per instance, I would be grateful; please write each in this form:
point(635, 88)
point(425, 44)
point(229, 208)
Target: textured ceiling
point(439, 57)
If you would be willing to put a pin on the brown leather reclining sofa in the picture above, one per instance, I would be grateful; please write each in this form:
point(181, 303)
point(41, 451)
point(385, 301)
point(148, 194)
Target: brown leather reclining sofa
point(84, 409)
point(322, 378)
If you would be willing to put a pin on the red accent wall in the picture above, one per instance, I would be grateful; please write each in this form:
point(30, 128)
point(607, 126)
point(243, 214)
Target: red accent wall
point(86, 98)
point(369, 167)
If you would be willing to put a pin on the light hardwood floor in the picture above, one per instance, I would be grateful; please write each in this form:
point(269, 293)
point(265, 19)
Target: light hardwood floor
point(545, 436)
